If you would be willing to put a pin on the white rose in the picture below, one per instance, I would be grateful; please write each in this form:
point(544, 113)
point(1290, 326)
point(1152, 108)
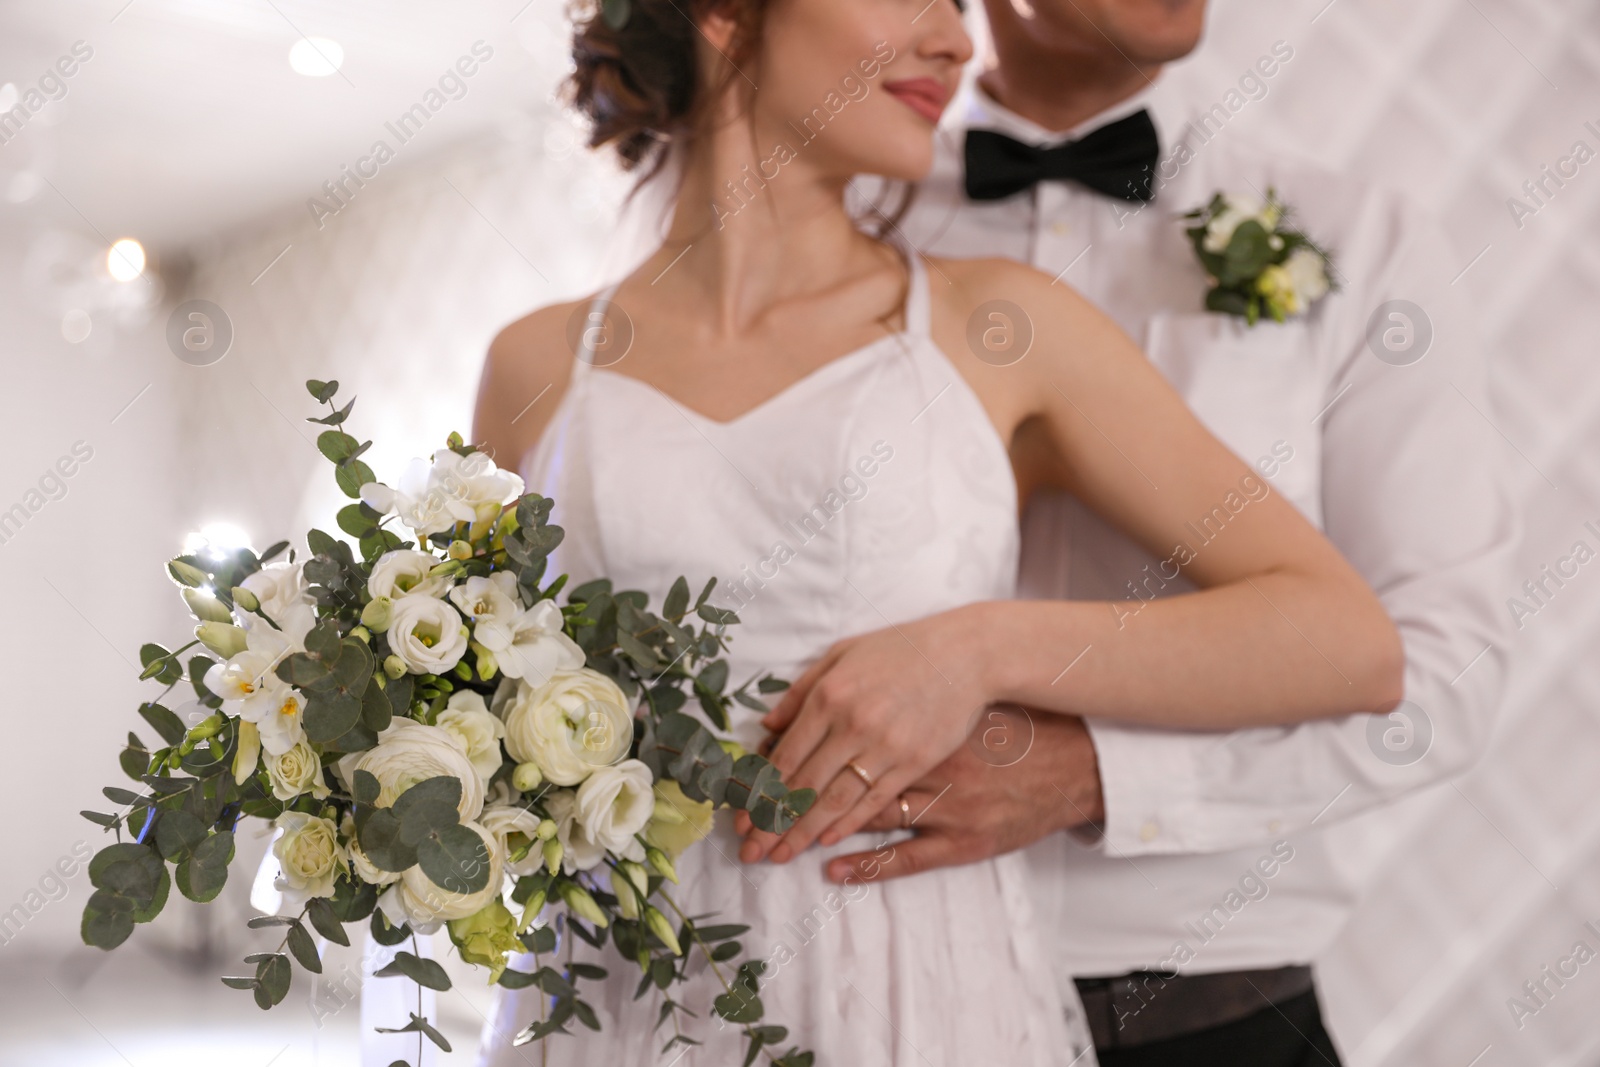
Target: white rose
point(1310, 278)
point(296, 771)
point(503, 820)
point(614, 803)
point(425, 905)
point(427, 635)
point(309, 855)
point(404, 572)
point(409, 752)
point(432, 497)
point(285, 599)
point(579, 852)
point(467, 717)
point(575, 723)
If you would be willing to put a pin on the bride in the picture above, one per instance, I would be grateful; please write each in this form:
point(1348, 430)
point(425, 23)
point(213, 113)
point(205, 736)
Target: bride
point(806, 410)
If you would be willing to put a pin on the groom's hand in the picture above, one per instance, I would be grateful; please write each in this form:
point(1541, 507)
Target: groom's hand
point(1022, 776)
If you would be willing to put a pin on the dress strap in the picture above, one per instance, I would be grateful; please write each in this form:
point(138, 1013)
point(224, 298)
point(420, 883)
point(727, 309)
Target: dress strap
point(593, 324)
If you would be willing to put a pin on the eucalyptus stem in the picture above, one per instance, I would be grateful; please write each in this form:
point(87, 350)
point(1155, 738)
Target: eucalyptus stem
point(705, 950)
point(415, 951)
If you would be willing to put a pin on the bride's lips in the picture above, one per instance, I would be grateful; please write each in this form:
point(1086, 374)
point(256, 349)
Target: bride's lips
point(926, 96)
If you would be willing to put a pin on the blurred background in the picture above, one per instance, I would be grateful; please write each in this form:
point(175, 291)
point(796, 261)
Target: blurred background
point(202, 150)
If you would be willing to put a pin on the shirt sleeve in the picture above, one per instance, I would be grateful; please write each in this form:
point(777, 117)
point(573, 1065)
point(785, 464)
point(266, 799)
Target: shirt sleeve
point(1416, 494)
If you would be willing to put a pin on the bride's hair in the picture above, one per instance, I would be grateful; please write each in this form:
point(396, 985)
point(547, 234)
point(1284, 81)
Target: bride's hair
point(639, 85)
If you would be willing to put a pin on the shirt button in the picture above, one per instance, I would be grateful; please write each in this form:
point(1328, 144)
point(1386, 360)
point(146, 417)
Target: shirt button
point(1274, 826)
point(1060, 229)
point(1148, 831)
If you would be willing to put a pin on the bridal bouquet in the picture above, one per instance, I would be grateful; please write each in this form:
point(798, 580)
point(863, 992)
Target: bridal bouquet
point(441, 743)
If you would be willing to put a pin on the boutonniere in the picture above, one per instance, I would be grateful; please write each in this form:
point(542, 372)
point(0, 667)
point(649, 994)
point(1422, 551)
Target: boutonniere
point(1257, 265)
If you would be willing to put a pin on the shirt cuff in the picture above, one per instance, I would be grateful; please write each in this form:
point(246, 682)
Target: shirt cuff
point(1150, 782)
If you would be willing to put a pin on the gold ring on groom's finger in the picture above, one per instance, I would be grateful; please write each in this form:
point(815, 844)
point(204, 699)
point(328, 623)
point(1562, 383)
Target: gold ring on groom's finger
point(905, 812)
point(859, 772)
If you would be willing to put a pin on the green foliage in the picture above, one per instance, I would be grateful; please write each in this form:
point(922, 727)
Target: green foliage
point(421, 971)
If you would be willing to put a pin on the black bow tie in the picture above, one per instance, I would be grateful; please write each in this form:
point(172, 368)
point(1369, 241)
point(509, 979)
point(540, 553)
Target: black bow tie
point(1118, 159)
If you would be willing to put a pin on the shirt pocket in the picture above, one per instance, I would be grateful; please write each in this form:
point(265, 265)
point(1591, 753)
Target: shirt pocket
point(1256, 388)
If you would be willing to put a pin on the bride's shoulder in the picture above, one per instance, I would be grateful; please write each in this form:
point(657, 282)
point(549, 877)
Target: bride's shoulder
point(977, 282)
point(525, 372)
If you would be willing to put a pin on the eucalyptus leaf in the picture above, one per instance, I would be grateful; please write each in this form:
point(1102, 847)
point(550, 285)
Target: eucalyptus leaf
point(304, 949)
point(455, 859)
point(424, 972)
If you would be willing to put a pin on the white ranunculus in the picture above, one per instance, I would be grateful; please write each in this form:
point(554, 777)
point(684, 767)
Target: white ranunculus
point(614, 803)
point(539, 648)
point(574, 724)
point(579, 852)
point(427, 635)
point(285, 598)
point(297, 771)
point(1309, 276)
point(309, 857)
point(468, 718)
point(404, 572)
point(502, 820)
point(409, 752)
point(432, 496)
point(425, 905)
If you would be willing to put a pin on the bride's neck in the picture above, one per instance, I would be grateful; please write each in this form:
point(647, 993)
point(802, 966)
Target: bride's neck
point(749, 231)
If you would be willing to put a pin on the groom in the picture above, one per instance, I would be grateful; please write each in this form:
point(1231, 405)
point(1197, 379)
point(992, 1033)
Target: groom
point(1200, 874)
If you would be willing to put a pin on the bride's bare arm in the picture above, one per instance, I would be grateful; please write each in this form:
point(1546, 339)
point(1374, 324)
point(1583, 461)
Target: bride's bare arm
point(1281, 630)
point(524, 375)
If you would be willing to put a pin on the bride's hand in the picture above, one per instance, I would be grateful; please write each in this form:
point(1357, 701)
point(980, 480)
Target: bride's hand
point(893, 703)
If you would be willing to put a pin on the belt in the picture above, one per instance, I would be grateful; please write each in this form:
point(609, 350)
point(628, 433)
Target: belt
point(1145, 1006)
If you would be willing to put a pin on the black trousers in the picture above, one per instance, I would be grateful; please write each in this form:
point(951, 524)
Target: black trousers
point(1289, 1034)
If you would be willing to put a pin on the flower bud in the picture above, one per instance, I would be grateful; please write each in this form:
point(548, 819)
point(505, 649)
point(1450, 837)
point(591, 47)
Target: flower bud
point(209, 727)
point(733, 748)
point(547, 829)
point(187, 573)
point(361, 633)
point(206, 607)
point(582, 904)
point(394, 667)
point(449, 566)
point(622, 889)
point(488, 666)
point(222, 638)
point(459, 550)
point(245, 599)
point(526, 778)
point(247, 753)
point(663, 929)
point(454, 441)
point(531, 912)
point(377, 614)
point(552, 854)
point(667, 814)
point(637, 875)
point(662, 864)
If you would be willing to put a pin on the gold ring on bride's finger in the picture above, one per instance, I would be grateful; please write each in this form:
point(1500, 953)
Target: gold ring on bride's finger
point(905, 812)
point(859, 772)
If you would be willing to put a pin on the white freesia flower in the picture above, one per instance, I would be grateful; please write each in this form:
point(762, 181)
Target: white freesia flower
point(575, 723)
point(427, 634)
point(409, 752)
point(285, 598)
point(297, 771)
point(502, 820)
point(425, 905)
point(404, 572)
point(529, 644)
point(251, 690)
point(614, 803)
point(1308, 274)
point(432, 496)
point(468, 718)
point(1238, 209)
point(309, 856)
point(579, 852)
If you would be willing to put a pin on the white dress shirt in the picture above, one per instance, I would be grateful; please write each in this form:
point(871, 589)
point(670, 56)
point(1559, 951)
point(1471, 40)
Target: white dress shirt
point(1398, 464)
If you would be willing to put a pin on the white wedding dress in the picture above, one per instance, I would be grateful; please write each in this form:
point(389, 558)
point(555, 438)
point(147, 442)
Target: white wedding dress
point(873, 491)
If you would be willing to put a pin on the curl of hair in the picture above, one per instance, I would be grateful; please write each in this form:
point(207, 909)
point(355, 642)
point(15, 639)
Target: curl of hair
point(641, 86)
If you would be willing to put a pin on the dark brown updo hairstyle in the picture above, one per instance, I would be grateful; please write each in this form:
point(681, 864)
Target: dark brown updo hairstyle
point(639, 85)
